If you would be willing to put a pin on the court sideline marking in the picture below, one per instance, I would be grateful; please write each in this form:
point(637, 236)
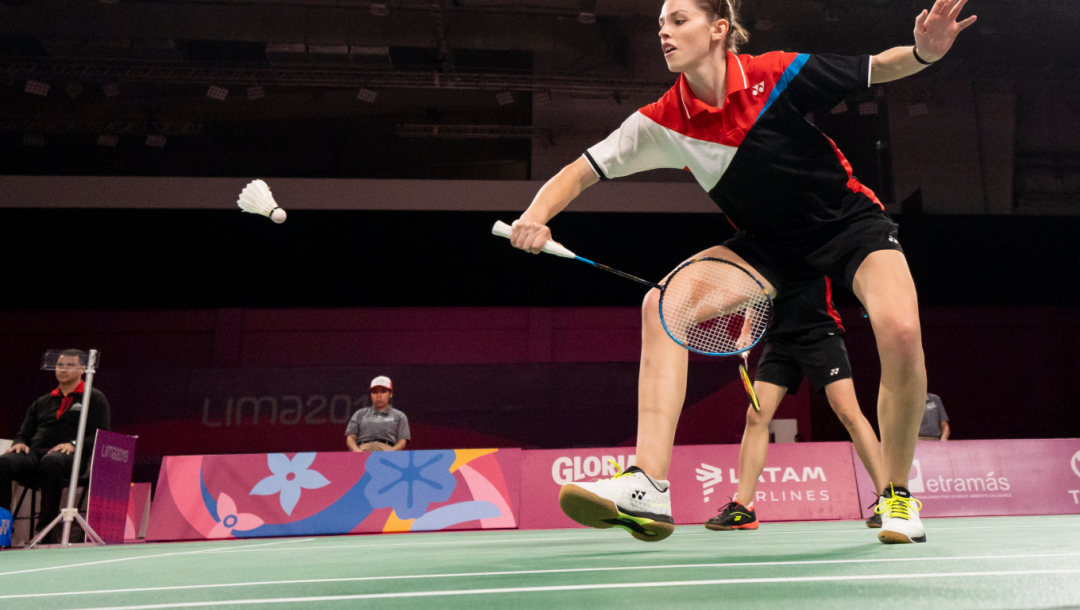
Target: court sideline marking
point(91, 563)
point(602, 535)
point(637, 585)
point(552, 571)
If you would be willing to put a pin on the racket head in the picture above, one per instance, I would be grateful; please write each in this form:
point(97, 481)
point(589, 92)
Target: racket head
point(749, 386)
point(714, 307)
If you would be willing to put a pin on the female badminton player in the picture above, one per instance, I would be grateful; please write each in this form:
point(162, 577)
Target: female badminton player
point(736, 122)
point(806, 337)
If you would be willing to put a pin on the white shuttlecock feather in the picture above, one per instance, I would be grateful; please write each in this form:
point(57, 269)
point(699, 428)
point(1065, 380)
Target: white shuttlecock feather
point(257, 199)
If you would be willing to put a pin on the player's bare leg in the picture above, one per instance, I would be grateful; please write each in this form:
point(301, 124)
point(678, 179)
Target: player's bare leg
point(662, 379)
point(739, 513)
point(754, 450)
point(883, 283)
point(841, 395)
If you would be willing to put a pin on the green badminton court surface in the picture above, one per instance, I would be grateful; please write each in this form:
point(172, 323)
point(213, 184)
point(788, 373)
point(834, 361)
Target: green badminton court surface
point(1021, 562)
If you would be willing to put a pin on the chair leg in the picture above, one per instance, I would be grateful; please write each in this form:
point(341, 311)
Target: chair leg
point(35, 511)
point(18, 505)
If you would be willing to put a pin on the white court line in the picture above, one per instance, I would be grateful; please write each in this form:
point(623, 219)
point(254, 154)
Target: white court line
point(353, 547)
point(91, 563)
point(553, 571)
point(632, 585)
point(605, 536)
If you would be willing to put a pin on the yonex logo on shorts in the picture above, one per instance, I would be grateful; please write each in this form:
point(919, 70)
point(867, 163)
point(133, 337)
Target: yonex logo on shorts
point(834, 372)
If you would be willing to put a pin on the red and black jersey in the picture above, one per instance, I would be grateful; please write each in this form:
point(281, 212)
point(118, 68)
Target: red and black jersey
point(804, 313)
point(773, 173)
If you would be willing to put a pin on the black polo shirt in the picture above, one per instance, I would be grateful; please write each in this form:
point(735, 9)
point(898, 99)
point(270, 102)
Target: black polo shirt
point(54, 419)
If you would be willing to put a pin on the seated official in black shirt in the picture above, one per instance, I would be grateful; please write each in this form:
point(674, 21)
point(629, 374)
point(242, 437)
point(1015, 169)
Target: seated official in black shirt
point(43, 451)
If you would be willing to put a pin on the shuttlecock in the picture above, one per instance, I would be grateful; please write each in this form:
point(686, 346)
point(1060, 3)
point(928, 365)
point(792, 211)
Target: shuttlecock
point(257, 199)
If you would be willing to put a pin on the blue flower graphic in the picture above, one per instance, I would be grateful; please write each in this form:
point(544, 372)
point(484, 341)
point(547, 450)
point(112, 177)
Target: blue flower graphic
point(290, 476)
point(409, 481)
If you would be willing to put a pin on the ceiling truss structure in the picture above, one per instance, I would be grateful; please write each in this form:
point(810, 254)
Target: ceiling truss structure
point(492, 132)
point(312, 76)
point(115, 127)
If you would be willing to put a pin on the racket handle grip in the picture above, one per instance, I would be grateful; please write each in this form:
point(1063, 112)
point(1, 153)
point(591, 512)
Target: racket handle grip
point(504, 230)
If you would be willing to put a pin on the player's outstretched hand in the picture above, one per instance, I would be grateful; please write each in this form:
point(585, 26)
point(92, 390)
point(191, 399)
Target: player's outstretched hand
point(937, 29)
point(529, 236)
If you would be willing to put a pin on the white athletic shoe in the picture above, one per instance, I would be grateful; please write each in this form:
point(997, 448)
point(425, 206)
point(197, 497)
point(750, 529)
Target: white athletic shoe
point(900, 521)
point(631, 500)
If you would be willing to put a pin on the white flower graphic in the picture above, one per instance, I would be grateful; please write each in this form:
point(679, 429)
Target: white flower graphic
point(290, 476)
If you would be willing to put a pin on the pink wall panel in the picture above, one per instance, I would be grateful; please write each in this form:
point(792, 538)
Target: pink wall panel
point(293, 348)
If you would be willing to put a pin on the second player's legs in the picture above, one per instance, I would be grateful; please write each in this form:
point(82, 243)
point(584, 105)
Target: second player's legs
point(662, 379)
point(841, 395)
point(883, 283)
point(755, 441)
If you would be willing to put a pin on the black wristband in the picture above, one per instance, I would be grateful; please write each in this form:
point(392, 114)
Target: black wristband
point(915, 51)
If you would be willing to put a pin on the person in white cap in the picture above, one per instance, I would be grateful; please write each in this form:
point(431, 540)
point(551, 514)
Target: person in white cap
point(379, 427)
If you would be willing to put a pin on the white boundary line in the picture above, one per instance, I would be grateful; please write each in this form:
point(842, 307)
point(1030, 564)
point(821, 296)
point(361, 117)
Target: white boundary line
point(633, 585)
point(91, 563)
point(607, 536)
point(554, 571)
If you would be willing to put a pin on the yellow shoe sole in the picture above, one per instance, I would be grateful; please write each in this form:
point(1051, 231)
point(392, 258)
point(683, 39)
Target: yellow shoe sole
point(890, 537)
point(591, 510)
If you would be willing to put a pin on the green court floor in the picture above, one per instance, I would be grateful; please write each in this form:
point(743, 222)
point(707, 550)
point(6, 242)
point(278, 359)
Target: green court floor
point(1013, 563)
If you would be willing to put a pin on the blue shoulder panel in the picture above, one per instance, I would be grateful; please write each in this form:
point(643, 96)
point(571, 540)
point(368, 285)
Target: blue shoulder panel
point(785, 78)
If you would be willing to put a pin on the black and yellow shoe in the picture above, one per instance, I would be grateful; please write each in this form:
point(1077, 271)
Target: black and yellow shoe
point(874, 520)
point(734, 516)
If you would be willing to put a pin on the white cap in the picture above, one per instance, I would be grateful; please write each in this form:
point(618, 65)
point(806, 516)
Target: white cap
point(382, 382)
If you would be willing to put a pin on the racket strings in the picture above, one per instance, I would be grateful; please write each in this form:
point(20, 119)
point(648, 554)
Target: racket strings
point(715, 307)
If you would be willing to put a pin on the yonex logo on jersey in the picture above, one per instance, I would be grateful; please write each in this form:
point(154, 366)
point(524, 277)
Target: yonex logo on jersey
point(834, 372)
point(759, 88)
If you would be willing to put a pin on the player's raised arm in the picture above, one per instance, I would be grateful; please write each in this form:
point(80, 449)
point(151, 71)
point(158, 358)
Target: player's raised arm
point(935, 32)
point(530, 231)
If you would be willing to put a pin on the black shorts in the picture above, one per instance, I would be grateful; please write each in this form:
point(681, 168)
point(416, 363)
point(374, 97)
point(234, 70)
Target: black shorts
point(823, 361)
point(838, 257)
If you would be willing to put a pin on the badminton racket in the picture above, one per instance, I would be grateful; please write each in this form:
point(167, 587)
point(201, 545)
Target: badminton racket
point(708, 305)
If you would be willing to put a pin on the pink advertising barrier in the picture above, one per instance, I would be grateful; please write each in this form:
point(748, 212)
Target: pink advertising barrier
point(110, 484)
point(991, 478)
point(302, 494)
point(802, 482)
point(138, 515)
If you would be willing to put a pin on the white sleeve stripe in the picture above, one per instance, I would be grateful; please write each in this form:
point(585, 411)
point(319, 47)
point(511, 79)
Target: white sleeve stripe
point(870, 72)
point(746, 83)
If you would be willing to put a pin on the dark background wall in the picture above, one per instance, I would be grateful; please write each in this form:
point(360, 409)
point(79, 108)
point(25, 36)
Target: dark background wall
point(489, 346)
point(473, 377)
point(210, 258)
